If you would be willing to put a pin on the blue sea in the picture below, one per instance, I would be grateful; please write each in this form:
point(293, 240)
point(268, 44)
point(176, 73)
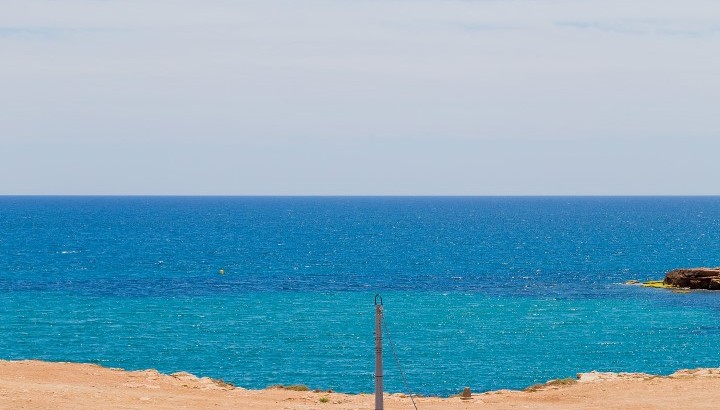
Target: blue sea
point(486, 292)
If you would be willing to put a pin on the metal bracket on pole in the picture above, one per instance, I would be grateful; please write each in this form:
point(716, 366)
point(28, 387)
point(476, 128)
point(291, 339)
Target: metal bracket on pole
point(378, 354)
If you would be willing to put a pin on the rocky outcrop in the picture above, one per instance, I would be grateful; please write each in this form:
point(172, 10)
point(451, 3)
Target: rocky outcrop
point(696, 278)
point(595, 376)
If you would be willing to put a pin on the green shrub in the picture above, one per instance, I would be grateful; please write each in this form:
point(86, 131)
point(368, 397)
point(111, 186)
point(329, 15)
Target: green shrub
point(293, 387)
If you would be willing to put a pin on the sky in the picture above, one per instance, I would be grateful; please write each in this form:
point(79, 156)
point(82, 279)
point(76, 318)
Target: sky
point(360, 97)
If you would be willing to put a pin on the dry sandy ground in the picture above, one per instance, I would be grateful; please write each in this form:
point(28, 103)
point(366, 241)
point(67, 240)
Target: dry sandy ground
point(42, 385)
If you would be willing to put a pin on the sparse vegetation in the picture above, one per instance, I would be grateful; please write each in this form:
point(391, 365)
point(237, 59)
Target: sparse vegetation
point(552, 383)
point(534, 387)
point(293, 387)
point(562, 382)
point(324, 399)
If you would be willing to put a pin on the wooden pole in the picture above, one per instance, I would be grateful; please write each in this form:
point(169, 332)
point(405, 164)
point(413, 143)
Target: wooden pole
point(378, 354)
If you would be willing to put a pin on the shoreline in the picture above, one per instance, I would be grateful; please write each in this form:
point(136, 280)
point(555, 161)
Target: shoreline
point(33, 384)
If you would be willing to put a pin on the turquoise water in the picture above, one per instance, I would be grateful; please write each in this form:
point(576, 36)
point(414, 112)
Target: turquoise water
point(483, 292)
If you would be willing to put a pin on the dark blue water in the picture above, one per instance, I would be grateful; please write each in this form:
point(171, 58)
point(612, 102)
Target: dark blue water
point(482, 292)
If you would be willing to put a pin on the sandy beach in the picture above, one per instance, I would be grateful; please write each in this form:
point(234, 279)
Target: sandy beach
point(33, 384)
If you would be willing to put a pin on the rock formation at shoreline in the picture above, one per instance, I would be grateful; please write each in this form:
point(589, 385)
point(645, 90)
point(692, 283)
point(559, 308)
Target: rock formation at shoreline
point(695, 278)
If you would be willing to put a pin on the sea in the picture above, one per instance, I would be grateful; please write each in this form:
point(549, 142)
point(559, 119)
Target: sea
point(484, 292)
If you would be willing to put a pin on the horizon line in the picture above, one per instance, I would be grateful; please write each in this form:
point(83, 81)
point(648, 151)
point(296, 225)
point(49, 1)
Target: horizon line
point(364, 195)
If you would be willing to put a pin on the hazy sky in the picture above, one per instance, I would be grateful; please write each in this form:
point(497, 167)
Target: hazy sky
point(473, 97)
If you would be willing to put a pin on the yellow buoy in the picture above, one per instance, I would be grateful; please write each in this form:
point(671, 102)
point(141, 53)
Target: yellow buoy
point(222, 271)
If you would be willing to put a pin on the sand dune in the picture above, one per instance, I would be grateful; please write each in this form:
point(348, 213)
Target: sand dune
point(41, 385)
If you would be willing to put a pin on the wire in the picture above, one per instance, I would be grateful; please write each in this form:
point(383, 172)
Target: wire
point(397, 362)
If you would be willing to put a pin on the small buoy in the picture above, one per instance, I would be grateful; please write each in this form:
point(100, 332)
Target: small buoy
point(466, 394)
point(222, 271)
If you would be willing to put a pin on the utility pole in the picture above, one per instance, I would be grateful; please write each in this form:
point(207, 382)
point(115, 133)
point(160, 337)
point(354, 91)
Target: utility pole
point(378, 354)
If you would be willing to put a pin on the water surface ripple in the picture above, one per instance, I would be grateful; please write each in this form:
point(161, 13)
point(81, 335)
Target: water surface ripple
point(482, 292)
